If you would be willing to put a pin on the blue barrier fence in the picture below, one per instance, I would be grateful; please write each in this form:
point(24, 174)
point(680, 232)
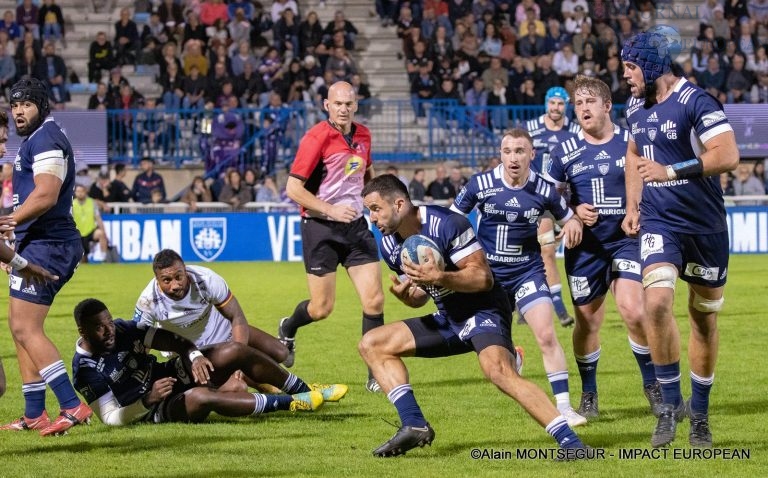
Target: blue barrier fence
point(277, 237)
point(267, 138)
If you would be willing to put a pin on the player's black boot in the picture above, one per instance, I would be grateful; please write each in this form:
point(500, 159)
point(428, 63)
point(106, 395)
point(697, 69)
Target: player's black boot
point(666, 426)
point(405, 439)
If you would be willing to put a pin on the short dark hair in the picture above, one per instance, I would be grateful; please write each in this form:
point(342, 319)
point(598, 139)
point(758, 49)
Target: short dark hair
point(3, 119)
point(119, 168)
point(388, 186)
point(87, 309)
point(165, 259)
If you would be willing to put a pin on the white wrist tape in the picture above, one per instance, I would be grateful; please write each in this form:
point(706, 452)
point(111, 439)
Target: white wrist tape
point(18, 262)
point(194, 354)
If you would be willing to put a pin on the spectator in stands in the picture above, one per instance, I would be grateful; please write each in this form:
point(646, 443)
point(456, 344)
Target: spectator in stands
point(340, 23)
point(28, 40)
point(363, 96)
point(746, 42)
point(700, 56)
point(148, 61)
point(116, 82)
point(626, 29)
point(556, 38)
point(227, 95)
point(218, 35)
point(431, 21)
point(249, 86)
point(53, 72)
point(279, 5)
point(85, 212)
point(286, 33)
point(415, 58)
point(27, 14)
point(738, 84)
point(155, 29)
point(405, 22)
point(736, 9)
point(197, 192)
point(194, 29)
point(193, 56)
point(457, 179)
point(760, 90)
point(239, 30)
point(387, 12)
point(726, 184)
point(99, 57)
point(9, 25)
point(268, 191)
point(271, 64)
point(613, 77)
point(235, 192)
point(168, 55)
point(544, 76)
point(341, 64)
point(759, 64)
point(147, 181)
point(244, 5)
point(310, 34)
point(566, 63)
point(746, 184)
point(194, 87)
point(441, 189)
point(127, 42)
point(499, 95)
point(529, 94)
point(7, 73)
point(244, 55)
point(440, 45)
point(532, 45)
point(477, 98)
point(27, 65)
point(583, 36)
point(491, 43)
point(423, 88)
point(157, 197)
point(458, 9)
point(215, 81)
point(759, 172)
point(100, 192)
point(706, 11)
point(100, 99)
point(713, 79)
point(119, 191)
point(271, 137)
point(171, 15)
point(416, 188)
point(220, 54)
point(50, 20)
point(212, 11)
point(568, 8)
point(588, 63)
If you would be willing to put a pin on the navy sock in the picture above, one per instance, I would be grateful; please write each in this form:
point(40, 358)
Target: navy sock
point(557, 300)
point(558, 381)
point(587, 365)
point(643, 356)
point(404, 400)
point(669, 378)
point(299, 318)
point(55, 375)
point(370, 322)
point(34, 399)
point(294, 384)
point(271, 403)
point(700, 388)
point(561, 432)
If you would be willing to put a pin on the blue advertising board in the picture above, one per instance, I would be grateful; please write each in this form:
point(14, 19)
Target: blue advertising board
point(276, 237)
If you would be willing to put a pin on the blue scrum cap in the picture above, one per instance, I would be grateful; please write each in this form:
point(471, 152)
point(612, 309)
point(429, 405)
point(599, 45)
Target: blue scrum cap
point(650, 51)
point(556, 92)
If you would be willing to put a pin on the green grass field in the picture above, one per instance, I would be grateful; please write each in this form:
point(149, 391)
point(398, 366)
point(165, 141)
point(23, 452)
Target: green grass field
point(466, 411)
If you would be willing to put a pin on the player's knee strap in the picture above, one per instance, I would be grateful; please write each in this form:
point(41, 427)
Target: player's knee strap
point(664, 276)
point(707, 305)
point(546, 238)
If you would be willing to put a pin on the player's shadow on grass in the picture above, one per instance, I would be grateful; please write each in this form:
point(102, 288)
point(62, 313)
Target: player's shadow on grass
point(454, 382)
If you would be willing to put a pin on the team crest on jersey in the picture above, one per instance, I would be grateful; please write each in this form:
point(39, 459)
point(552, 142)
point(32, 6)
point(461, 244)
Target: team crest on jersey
point(208, 236)
point(652, 133)
point(603, 168)
point(354, 164)
point(511, 216)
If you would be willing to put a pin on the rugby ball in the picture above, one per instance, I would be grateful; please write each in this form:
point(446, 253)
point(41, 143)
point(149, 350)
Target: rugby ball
point(415, 249)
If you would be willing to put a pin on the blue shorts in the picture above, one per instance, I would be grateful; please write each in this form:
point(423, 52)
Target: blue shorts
point(592, 268)
point(60, 258)
point(170, 409)
point(527, 289)
point(436, 336)
point(700, 258)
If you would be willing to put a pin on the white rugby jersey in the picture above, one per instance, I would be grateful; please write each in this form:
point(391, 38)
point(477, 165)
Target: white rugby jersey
point(194, 317)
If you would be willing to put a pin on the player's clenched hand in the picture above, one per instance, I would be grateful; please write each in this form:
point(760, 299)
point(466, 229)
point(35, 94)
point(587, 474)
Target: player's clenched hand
point(651, 170)
point(587, 213)
point(201, 370)
point(399, 288)
point(631, 223)
point(36, 274)
point(342, 213)
point(571, 233)
point(161, 389)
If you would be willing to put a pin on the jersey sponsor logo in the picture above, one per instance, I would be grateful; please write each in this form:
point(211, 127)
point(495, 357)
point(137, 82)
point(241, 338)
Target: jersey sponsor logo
point(208, 237)
point(490, 208)
point(579, 286)
point(502, 242)
point(654, 118)
point(512, 203)
point(697, 270)
point(354, 165)
point(552, 139)
point(488, 323)
point(604, 168)
point(652, 133)
point(669, 129)
point(620, 162)
point(543, 288)
point(625, 265)
point(30, 290)
point(532, 215)
point(579, 168)
point(602, 155)
point(651, 244)
point(712, 118)
point(636, 129)
point(16, 282)
point(525, 290)
point(488, 193)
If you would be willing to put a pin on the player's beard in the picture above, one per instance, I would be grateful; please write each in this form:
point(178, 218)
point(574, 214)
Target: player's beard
point(29, 126)
point(650, 95)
